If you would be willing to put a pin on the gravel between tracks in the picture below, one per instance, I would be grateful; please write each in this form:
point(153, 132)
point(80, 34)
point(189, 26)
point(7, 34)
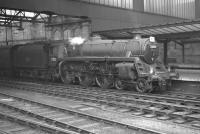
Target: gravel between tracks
point(125, 118)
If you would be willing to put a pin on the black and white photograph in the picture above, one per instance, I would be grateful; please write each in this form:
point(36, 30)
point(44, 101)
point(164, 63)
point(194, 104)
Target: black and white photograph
point(99, 66)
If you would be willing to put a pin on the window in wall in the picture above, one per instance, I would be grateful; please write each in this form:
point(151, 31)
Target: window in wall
point(115, 3)
point(119, 3)
point(176, 8)
point(127, 4)
point(102, 2)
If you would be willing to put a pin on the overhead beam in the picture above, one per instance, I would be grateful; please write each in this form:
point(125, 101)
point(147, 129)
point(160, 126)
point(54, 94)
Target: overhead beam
point(178, 36)
point(191, 41)
point(8, 25)
point(9, 18)
point(69, 23)
point(23, 19)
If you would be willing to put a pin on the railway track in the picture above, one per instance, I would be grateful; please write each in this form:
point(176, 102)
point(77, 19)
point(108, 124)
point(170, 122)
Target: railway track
point(14, 124)
point(178, 110)
point(169, 97)
point(128, 93)
point(66, 119)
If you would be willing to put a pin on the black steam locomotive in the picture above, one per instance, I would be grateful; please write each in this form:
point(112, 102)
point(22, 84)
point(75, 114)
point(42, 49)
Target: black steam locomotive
point(116, 63)
point(107, 63)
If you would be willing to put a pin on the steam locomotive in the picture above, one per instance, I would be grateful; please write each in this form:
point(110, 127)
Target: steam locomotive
point(107, 63)
point(116, 63)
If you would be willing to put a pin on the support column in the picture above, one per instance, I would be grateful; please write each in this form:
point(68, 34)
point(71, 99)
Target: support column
point(197, 9)
point(183, 53)
point(138, 5)
point(165, 52)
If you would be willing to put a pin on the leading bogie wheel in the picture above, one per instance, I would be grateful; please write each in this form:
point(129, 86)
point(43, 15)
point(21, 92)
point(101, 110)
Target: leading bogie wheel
point(119, 84)
point(143, 86)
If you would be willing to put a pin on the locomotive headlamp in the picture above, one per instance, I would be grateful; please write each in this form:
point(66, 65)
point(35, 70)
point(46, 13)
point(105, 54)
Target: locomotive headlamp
point(152, 39)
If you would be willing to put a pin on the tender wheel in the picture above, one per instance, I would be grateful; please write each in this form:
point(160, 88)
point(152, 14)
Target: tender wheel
point(119, 84)
point(103, 81)
point(143, 86)
point(86, 80)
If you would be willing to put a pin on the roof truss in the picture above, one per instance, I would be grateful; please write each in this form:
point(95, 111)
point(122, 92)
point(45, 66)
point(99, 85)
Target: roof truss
point(9, 17)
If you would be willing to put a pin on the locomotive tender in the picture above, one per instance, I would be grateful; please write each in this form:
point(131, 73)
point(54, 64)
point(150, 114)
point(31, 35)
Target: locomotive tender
point(107, 63)
point(6, 60)
point(116, 63)
point(38, 60)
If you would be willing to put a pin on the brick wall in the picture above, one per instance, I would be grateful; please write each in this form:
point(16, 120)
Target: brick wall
point(192, 53)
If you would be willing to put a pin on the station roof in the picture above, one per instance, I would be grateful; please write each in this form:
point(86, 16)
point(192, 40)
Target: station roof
point(184, 31)
point(15, 17)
